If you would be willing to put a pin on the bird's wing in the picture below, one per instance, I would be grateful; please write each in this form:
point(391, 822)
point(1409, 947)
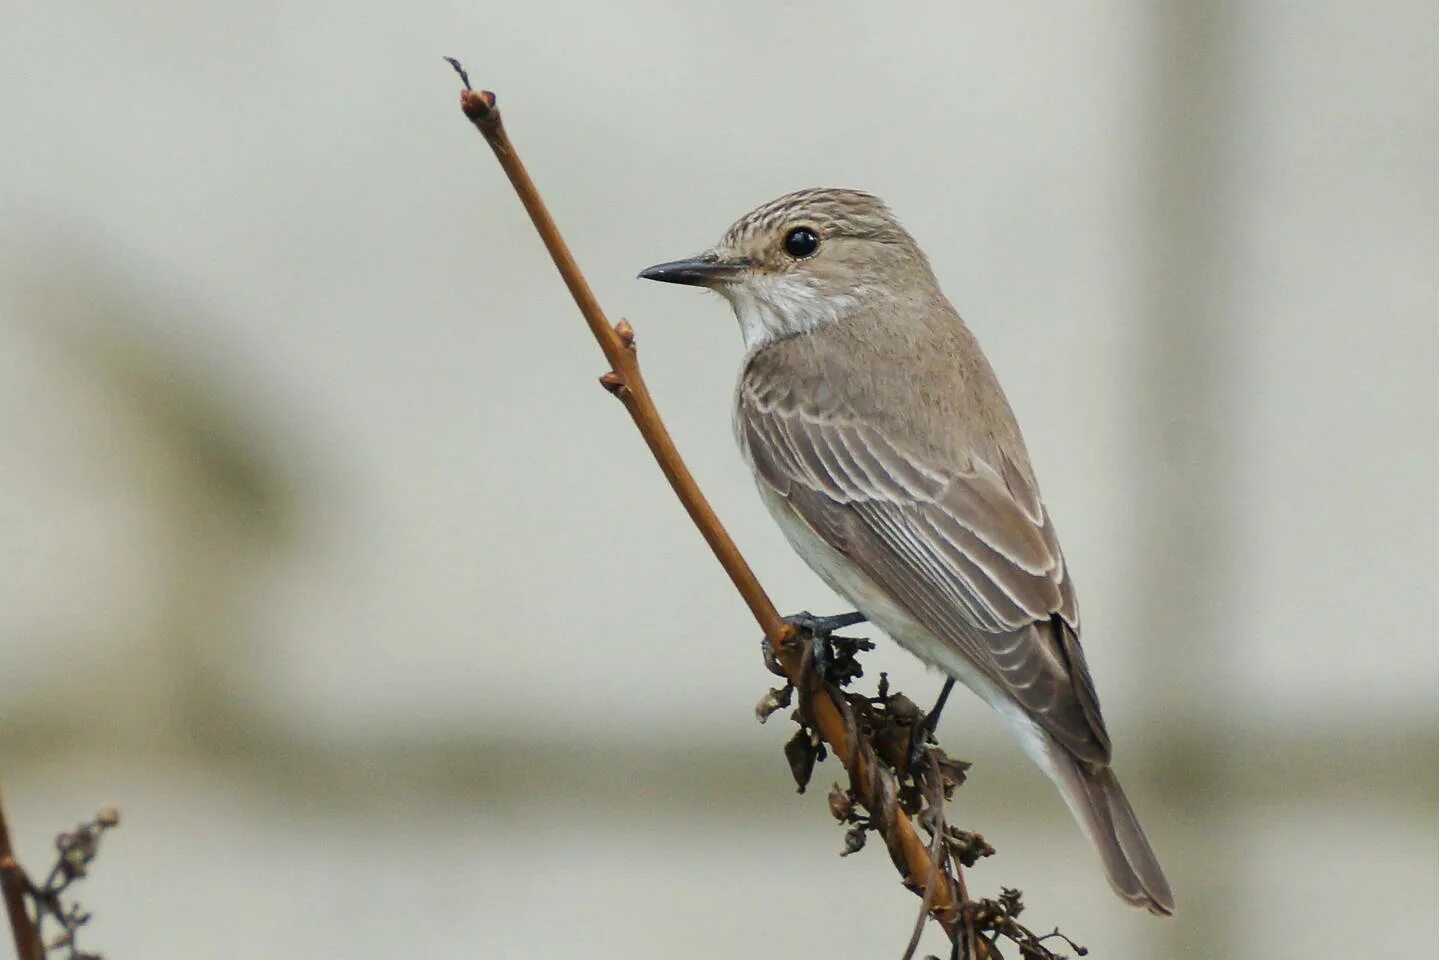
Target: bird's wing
point(967, 549)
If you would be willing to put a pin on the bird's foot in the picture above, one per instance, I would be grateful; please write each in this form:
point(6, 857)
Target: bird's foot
point(832, 657)
point(824, 626)
point(833, 665)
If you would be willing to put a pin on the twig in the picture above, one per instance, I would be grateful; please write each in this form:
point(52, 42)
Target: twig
point(75, 850)
point(18, 889)
point(936, 836)
point(826, 708)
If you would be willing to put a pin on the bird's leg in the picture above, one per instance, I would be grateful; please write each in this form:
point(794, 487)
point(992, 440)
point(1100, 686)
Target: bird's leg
point(819, 629)
point(927, 724)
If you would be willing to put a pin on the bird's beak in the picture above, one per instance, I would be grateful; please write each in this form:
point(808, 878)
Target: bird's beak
point(702, 271)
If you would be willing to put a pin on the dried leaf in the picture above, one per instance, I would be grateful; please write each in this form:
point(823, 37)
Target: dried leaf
point(773, 700)
point(800, 753)
point(951, 770)
point(902, 708)
point(854, 841)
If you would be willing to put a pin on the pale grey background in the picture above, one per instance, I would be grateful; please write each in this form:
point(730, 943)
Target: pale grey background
point(326, 561)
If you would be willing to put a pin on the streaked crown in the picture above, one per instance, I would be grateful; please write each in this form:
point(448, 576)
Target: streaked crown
point(830, 211)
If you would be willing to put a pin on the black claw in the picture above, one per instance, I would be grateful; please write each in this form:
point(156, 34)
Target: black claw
point(824, 625)
point(822, 655)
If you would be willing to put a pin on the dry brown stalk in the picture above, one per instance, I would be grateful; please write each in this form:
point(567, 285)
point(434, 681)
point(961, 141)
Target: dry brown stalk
point(75, 850)
point(17, 887)
point(830, 713)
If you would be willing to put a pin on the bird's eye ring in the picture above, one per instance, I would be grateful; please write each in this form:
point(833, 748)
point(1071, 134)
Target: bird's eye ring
point(801, 242)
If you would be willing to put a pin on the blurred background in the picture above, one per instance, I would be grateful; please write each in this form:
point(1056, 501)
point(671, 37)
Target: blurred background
point(327, 562)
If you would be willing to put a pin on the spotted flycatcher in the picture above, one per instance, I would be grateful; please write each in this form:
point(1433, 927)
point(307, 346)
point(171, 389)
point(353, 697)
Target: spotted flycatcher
point(885, 449)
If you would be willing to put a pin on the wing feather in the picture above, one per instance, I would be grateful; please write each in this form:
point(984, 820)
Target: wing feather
point(969, 551)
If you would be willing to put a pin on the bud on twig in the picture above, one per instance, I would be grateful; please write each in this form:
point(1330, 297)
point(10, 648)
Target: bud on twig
point(626, 333)
point(615, 384)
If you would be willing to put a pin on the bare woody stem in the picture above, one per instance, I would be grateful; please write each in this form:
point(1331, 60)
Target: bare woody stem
point(16, 887)
point(626, 383)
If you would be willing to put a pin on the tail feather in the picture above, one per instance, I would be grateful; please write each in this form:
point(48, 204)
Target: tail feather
point(1099, 805)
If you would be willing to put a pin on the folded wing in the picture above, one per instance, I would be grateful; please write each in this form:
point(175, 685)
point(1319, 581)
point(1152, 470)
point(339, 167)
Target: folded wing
point(966, 548)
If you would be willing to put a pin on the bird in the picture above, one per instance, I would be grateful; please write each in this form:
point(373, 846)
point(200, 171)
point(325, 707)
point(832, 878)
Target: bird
point(883, 446)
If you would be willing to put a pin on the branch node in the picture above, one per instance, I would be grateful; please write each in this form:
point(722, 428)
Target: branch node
point(479, 106)
point(615, 385)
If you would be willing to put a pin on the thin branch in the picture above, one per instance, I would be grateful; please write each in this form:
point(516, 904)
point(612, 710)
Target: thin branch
point(18, 890)
point(826, 709)
point(936, 836)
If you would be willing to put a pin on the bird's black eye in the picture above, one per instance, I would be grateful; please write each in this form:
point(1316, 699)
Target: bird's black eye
point(801, 242)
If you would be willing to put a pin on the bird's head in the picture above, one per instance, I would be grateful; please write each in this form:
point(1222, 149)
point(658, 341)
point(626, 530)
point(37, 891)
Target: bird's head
point(804, 260)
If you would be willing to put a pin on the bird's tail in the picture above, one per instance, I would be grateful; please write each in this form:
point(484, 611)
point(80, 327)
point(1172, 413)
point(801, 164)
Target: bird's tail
point(1099, 805)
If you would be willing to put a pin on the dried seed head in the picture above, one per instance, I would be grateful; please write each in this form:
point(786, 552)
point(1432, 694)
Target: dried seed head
point(776, 699)
point(854, 841)
point(968, 847)
point(952, 771)
point(842, 805)
point(902, 708)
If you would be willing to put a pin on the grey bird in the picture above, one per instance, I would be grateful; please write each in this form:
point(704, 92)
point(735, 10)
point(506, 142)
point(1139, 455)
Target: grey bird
point(884, 447)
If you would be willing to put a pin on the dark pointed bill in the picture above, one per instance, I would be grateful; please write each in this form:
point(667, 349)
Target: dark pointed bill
point(694, 272)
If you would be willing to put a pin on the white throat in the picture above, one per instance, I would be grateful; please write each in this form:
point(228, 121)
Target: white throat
point(772, 308)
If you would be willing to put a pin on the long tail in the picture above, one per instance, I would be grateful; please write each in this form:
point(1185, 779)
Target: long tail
point(1099, 805)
